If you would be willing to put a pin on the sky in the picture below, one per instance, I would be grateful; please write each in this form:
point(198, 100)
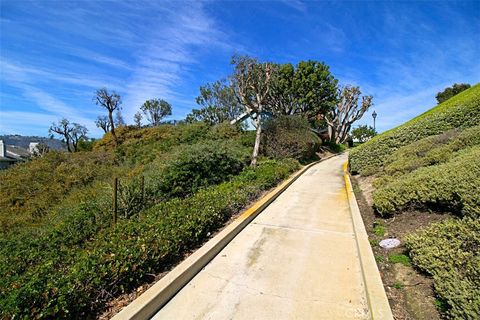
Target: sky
point(54, 55)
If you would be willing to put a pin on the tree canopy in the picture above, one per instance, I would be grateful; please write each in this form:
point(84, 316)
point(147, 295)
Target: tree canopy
point(155, 110)
point(363, 133)
point(308, 89)
point(451, 91)
point(219, 103)
point(70, 133)
point(346, 112)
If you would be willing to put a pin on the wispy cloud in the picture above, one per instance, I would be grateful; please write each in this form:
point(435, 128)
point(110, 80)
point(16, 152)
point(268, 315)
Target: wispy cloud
point(295, 4)
point(24, 79)
point(145, 52)
point(164, 60)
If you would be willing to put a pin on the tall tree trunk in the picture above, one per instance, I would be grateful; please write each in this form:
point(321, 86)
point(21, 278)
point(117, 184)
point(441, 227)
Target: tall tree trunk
point(258, 137)
point(67, 141)
point(112, 127)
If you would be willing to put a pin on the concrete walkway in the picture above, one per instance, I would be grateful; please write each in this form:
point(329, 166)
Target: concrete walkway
point(297, 260)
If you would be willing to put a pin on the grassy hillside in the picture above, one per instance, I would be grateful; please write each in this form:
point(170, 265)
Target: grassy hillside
point(60, 255)
point(432, 163)
point(461, 111)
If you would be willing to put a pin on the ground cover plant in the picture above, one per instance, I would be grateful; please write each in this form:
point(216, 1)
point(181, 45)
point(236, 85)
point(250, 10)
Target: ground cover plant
point(428, 151)
point(70, 259)
point(451, 186)
point(73, 282)
point(449, 251)
point(28, 192)
point(461, 111)
point(431, 164)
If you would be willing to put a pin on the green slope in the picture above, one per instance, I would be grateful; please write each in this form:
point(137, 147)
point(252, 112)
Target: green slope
point(461, 111)
point(430, 163)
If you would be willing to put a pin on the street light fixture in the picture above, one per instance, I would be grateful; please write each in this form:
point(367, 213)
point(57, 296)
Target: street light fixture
point(374, 115)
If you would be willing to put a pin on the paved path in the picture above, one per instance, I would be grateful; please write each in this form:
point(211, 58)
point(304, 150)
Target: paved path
point(297, 260)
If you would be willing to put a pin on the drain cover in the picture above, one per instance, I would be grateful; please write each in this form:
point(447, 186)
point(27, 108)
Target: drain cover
point(389, 243)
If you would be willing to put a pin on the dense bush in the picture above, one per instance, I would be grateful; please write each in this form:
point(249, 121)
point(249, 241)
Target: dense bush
point(461, 111)
point(289, 137)
point(450, 252)
point(451, 186)
point(28, 191)
point(69, 283)
point(200, 165)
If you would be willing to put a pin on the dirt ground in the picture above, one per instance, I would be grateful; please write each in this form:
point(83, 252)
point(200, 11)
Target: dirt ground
point(409, 292)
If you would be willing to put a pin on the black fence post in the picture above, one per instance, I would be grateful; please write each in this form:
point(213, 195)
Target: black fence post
point(142, 187)
point(115, 206)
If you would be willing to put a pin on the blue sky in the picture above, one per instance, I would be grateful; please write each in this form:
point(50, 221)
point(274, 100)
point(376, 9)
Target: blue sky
point(55, 54)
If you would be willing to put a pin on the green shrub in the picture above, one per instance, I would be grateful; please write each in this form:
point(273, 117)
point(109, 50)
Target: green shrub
point(451, 186)
point(462, 111)
point(337, 148)
point(48, 278)
point(200, 165)
point(379, 230)
point(289, 137)
point(224, 131)
point(428, 151)
point(398, 285)
point(449, 251)
point(399, 258)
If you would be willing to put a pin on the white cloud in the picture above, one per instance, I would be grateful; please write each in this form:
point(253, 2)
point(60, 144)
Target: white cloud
point(162, 62)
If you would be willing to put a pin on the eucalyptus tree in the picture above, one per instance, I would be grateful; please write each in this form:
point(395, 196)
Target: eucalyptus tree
point(218, 104)
point(348, 110)
point(137, 119)
point(119, 122)
point(78, 134)
point(103, 123)
point(111, 101)
point(155, 110)
point(252, 82)
point(70, 133)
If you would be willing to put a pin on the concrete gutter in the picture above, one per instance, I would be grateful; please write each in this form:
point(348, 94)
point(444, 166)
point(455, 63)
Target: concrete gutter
point(161, 292)
point(376, 296)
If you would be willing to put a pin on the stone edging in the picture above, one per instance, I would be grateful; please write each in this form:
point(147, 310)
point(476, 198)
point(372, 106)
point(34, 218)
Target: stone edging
point(376, 296)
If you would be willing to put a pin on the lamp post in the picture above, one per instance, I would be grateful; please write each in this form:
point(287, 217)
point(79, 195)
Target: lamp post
point(374, 115)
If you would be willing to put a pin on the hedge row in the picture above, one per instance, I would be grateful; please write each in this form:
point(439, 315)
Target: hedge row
point(74, 283)
point(451, 186)
point(450, 252)
point(461, 111)
point(428, 151)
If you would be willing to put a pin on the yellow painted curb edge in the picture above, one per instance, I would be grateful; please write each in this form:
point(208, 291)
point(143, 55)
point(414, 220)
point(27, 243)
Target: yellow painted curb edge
point(376, 296)
point(161, 292)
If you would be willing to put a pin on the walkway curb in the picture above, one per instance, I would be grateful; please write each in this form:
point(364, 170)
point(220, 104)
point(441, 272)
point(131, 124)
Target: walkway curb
point(376, 296)
point(161, 292)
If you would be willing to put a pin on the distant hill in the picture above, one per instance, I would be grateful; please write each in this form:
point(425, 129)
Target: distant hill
point(24, 141)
